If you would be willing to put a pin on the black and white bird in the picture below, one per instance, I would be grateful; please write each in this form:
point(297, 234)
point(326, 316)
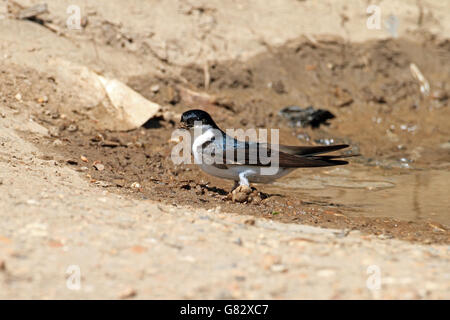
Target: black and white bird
point(223, 156)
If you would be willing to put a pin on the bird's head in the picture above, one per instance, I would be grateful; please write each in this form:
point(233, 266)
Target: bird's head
point(192, 118)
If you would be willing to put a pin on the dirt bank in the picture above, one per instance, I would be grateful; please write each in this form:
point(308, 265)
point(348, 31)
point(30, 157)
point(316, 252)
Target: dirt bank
point(365, 85)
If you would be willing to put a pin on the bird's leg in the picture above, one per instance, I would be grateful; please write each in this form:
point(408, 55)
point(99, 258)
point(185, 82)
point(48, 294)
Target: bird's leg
point(236, 184)
point(243, 181)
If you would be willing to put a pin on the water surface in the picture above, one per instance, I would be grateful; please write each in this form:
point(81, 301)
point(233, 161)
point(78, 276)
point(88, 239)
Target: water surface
point(413, 195)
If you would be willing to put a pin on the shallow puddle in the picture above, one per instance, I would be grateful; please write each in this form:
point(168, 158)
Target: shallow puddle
point(412, 195)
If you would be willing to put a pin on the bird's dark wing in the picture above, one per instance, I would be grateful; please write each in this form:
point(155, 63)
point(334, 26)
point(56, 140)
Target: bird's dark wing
point(309, 150)
point(261, 155)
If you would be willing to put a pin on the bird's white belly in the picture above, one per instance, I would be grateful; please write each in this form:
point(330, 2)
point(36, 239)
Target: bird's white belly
point(255, 174)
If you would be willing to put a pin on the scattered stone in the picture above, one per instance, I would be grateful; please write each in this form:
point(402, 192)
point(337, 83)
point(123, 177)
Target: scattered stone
point(133, 107)
point(171, 116)
point(84, 158)
point(72, 128)
point(138, 249)
point(119, 182)
point(154, 88)
point(128, 109)
point(128, 293)
point(32, 202)
point(103, 184)
point(190, 259)
point(270, 260)
point(173, 95)
point(135, 185)
point(99, 166)
point(192, 97)
point(84, 21)
point(278, 268)
point(53, 131)
point(42, 100)
point(439, 95)
point(18, 97)
point(326, 273)
point(57, 143)
point(325, 141)
point(445, 145)
point(33, 11)
point(342, 233)
point(238, 241)
point(250, 222)
point(304, 136)
point(47, 157)
point(55, 115)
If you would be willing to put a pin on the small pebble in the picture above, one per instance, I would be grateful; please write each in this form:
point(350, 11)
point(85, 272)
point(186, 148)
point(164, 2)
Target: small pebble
point(102, 184)
point(445, 145)
point(439, 95)
point(43, 99)
point(128, 293)
point(83, 158)
point(57, 143)
point(32, 202)
point(99, 166)
point(135, 185)
point(154, 88)
point(278, 268)
point(72, 128)
point(53, 131)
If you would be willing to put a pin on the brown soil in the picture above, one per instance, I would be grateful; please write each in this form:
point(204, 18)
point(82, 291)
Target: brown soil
point(366, 85)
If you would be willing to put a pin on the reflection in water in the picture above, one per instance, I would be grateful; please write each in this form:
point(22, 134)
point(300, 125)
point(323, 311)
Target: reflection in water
point(416, 205)
point(409, 195)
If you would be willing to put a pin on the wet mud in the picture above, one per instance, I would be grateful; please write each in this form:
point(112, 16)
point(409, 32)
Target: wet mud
point(398, 187)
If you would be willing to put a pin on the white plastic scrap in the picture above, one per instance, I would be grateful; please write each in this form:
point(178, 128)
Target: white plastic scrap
point(424, 85)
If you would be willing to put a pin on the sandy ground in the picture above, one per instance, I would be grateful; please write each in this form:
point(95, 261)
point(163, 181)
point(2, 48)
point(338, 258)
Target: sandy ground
point(56, 225)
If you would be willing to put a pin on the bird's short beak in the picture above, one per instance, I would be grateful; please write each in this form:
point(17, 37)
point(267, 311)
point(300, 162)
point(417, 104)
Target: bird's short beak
point(182, 125)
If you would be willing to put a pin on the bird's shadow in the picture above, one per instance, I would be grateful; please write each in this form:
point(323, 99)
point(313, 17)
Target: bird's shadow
point(223, 192)
point(219, 191)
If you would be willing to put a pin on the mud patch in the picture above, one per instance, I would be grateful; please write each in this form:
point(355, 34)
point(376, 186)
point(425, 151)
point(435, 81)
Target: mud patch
point(379, 111)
